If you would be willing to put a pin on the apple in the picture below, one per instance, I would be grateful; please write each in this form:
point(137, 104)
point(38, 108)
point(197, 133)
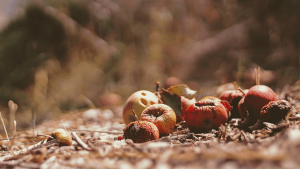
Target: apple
point(138, 102)
point(141, 131)
point(233, 97)
point(185, 103)
point(210, 98)
point(62, 136)
point(162, 116)
point(257, 97)
point(275, 111)
point(205, 115)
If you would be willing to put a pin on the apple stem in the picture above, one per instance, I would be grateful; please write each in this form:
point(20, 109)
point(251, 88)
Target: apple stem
point(255, 76)
point(182, 120)
point(294, 98)
point(241, 91)
point(156, 86)
point(258, 76)
point(136, 117)
point(235, 86)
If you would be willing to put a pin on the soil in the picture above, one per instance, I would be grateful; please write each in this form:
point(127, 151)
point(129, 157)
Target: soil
point(99, 143)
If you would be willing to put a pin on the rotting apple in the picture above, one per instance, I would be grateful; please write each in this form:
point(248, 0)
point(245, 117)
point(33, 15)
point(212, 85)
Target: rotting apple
point(233, 97)
point(211, 98)
point(141, 131)
point(257, 97)
point(162, 116)
point(138, 101)
point(205, 115)
point(275, 111)
point(63, 137)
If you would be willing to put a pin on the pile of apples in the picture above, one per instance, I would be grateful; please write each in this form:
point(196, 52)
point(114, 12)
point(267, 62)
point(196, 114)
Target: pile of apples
point(150, 115)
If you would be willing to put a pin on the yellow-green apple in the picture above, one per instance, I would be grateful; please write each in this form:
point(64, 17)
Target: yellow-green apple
point(138, 102)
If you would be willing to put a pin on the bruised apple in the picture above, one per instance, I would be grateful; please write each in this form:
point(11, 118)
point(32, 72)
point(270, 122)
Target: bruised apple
point(257, 97)
point(233, 97)
point(141, 131)
point(205, 115)
point(162, 116)
point(211, 98)
point(138, 102)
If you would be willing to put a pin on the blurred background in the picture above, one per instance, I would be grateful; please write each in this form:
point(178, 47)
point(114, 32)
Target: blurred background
point(61, 55)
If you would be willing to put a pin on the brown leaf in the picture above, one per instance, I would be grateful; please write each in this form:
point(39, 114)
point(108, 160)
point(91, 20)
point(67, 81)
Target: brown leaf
point(182, 90)
point(172, 100)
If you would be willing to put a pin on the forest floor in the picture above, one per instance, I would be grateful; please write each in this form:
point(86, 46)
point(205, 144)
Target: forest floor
point(100, 145)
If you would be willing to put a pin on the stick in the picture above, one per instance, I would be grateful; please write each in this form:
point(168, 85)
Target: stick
point(258, 76)
point(156, 86)
point(100, 131)
point(241, 91)
point(80, 142)
point(136, 117)
point(33, 122)
point(4, 126)
point(235, 86)
point(255, 76)
point(14, 134)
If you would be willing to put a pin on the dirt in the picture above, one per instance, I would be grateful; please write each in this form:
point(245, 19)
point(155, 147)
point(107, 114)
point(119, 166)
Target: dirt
point(98, 143)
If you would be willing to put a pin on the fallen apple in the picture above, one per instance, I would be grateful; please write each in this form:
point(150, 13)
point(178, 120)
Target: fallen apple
point(141, 131)
point(138, 101)
point(275, 111)
point(257, 97)
point(233, 97)
point(162, 116)
point(205, 115)
point(63, 137)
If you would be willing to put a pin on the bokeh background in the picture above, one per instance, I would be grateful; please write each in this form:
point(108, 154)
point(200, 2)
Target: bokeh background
point(61, 55)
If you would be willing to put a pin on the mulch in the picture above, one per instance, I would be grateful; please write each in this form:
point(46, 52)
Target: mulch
point(99, 143)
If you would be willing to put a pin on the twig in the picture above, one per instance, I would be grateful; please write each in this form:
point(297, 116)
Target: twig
point(255, 76)
point(241, 91)
point(156, 86)
point(14, 134)
point(100, 131)
point(79, 141)
point(45, 135)
point(33, 122)
point(12, 111)
point(136, 117)
point(4, 126)
point(235, 86)
point(258, 76)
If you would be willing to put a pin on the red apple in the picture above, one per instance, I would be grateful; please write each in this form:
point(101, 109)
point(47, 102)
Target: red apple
point(138, 102)
point(205, 115)
point(141, 131)
point(233, 97)
point(162, 116)
point(257, 97)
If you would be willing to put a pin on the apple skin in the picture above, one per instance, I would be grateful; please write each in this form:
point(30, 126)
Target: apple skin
point(275, 111)
point(185, 104)
point(233, 97)
point(257, 97)
point(63, 136)
point(138, 102)
point(211, 98)
point(162, 116)
point(205, 115)
point(141, 131)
